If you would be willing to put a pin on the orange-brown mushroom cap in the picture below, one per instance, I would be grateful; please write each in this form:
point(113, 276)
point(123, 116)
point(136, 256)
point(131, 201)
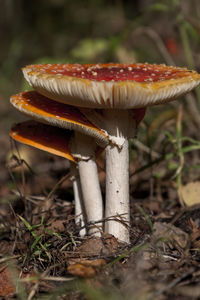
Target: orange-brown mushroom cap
point(119, 86)
point(58, 114)
point(44, 137)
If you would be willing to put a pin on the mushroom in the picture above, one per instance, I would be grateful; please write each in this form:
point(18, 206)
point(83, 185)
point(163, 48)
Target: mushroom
point(56, 141)
point(82, 146)
point(114, 89)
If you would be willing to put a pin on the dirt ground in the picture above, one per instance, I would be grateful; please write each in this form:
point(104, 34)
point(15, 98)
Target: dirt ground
point(43, 257)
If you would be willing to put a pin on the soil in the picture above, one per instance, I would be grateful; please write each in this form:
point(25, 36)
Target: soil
point(43, 256)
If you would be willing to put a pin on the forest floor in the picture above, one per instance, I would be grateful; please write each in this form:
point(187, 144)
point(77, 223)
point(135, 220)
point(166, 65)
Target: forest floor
point(42, 255)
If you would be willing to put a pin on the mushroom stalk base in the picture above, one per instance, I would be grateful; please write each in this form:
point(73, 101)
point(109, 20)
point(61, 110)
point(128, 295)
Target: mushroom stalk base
point(117, 192)
point(78, 199)
point(84, 149)
point(92, 195)
point(120, 125)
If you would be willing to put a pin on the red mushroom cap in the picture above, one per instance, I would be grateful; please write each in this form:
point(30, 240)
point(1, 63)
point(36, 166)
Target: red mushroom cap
point(44, 137)
point(54, 113)
point(119, 86)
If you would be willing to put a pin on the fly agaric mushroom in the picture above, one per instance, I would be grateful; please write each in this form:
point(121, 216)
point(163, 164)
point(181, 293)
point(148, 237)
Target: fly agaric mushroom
point(82, 146)
point(56, 141)
point(116, 89)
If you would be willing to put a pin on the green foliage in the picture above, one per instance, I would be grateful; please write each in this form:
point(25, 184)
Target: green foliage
point(88, 49)
point(181, 145)
point(159, 7)
point(39, 247)
point(134, 249)
point(146, 216)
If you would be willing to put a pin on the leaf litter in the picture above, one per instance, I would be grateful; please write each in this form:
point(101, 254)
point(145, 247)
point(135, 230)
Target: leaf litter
point(43, 257)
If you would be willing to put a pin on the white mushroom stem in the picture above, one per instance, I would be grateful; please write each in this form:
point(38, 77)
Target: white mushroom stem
point(92, 198)
point(117, 192)
point(78, 199)
point(120, 125)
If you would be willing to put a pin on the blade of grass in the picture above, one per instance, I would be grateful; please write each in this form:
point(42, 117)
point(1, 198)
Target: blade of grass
point(127, 253)
point(146, 216)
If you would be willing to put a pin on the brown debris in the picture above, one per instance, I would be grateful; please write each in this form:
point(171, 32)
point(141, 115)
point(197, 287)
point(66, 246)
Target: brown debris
point(195, 235)
point(6, 285)
point(95, 246)
point(86, 268)
point(171, 233)
point(81, 270)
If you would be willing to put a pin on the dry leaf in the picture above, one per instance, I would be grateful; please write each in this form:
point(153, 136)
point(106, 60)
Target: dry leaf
point(95, 263)
point(81, 270)
point(191, 193)
point(6, 285)
point(195, 235)
point(86, 267)
point(94, 246)
point(171, 233)
point(57, 226)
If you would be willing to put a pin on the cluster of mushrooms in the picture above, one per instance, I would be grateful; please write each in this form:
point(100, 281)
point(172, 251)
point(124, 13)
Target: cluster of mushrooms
point(80, 110)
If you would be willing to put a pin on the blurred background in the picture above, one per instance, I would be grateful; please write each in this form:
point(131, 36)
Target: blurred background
point(89, 31)
point(155, 31)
